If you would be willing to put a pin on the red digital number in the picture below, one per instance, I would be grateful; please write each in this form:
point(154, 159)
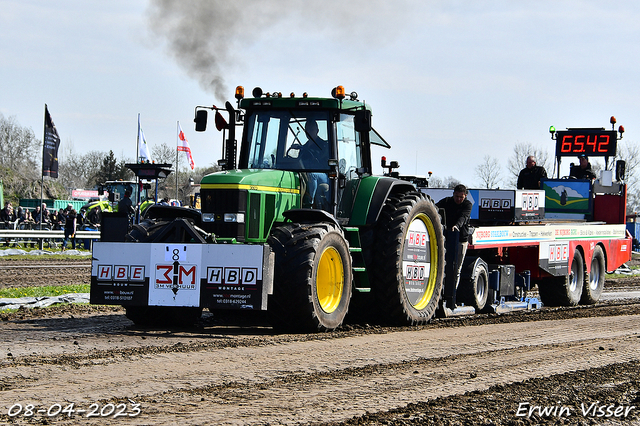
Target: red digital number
point(603, 146)
point(592, 143)
point(579, 144)
point(566, 144)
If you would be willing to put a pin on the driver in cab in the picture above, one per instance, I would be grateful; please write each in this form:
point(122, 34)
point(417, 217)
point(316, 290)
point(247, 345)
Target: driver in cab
point(314, 154)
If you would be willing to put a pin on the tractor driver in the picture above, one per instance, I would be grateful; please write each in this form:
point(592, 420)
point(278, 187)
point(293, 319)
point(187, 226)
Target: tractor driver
point(314, 154)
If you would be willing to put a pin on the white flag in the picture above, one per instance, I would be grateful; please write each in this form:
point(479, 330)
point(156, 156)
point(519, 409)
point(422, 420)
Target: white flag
point(183, 145)
point(142, 143)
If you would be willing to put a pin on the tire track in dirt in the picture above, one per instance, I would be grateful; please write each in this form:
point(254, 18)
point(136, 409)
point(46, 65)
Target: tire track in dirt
point(332, 379)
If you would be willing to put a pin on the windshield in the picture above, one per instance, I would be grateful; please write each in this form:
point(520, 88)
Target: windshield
point(287, 140)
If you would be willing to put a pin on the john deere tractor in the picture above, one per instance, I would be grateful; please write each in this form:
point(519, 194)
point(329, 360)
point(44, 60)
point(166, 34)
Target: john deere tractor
point(298, 227)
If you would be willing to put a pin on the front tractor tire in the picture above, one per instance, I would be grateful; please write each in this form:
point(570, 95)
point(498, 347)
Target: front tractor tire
point(313, 278)
point(408, 260)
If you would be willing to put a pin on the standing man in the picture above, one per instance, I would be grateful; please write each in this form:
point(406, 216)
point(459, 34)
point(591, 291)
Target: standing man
point(457, 210)
point(529, 177)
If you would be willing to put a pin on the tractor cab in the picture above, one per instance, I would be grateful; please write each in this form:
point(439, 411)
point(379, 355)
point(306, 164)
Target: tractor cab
point(325, 142)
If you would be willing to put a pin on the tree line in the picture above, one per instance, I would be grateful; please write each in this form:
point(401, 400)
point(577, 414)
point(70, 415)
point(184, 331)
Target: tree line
point(20, 167)
point(21, 153)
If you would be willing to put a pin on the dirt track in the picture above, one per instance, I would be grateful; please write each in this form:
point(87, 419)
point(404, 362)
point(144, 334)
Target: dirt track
point(480, 370)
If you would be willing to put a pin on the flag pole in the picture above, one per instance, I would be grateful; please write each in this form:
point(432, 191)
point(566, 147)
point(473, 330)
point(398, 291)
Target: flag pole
point(177, 142)
point(44, 141)
point(138, 141)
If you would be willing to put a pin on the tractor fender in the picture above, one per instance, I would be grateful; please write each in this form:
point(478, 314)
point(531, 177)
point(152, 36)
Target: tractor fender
point(470, 267)
point(309, 215)
point(372, 195)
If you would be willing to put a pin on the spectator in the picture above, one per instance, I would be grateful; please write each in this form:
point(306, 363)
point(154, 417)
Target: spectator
point(70, 229)
point(125, 205)
point(583, 171)
point(530, 176)
point(7, 215)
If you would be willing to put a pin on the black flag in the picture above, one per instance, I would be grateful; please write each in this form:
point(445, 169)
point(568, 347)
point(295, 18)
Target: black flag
point(50, 147)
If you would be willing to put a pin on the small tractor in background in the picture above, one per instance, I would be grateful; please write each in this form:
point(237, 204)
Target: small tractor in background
point(115, 189)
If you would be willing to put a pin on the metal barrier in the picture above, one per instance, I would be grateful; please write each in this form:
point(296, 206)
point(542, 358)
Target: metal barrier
point(17, 237)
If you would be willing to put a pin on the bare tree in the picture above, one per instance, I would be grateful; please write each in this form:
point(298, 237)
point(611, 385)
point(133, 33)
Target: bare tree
point(629, 152)
point(450, 182)
point(435, 182)
point(518, 159)
point(489, 172)
point(164, 153)
point(18, 146)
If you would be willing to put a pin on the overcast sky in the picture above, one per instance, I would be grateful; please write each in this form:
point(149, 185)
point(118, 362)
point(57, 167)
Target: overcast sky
point(449, 81)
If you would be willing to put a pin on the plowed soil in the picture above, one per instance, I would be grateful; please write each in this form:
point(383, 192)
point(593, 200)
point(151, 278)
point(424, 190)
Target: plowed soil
point(551, 366)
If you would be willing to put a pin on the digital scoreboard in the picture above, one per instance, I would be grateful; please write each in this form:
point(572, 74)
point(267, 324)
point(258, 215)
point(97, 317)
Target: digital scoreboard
point(591, 142)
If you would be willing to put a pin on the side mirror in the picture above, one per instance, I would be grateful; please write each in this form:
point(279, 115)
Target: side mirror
point(620, 170)
point(201, 120)
point(362, 120)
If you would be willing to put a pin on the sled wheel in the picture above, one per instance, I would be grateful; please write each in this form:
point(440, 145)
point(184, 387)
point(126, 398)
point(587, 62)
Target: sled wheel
point(594, 284)
point(408, 266)
point(312, 283)
point(565, 290)
point(475, 291)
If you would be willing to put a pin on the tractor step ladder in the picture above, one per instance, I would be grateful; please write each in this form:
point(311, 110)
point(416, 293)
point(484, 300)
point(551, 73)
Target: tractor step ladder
point(361, 278)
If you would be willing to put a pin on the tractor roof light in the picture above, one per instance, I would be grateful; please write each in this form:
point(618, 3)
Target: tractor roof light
point(338, 92)
point(552, 130)
point(239, 92)
point(305, 95)
point(621, 131)
point(292, 95)
point(257, 92)
point(612, 120)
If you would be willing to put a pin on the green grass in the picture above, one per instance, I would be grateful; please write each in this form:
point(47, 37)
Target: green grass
point(43, 256)
point(43, 291)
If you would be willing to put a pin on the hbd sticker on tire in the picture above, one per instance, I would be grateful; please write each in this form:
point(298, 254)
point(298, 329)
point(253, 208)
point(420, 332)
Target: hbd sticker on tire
point(414, 273)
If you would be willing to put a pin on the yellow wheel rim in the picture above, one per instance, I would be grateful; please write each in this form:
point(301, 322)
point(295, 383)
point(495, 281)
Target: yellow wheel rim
point(431, 262)
point(330, 280)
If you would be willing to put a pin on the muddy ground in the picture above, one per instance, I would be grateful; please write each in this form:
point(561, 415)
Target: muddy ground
point(552, 366)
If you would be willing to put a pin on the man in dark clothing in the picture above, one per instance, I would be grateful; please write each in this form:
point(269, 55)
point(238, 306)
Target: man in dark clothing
point(457, 210)
point(529, 177)
point(583, 171)
point(125, 205)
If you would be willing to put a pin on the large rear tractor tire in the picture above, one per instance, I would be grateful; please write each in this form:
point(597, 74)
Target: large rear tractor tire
point(565, 290)
point(408, 261)
point(594, 284)
point(313, 278)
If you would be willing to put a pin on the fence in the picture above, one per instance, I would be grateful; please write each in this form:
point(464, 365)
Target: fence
point(44, 237)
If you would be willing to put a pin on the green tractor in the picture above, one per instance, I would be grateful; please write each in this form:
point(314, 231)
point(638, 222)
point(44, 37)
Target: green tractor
point(299, 227)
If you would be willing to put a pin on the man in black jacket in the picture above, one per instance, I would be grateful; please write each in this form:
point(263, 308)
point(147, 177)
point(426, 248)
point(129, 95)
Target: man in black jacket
point(583, 171)
point(457, 210)
point(529, 177)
